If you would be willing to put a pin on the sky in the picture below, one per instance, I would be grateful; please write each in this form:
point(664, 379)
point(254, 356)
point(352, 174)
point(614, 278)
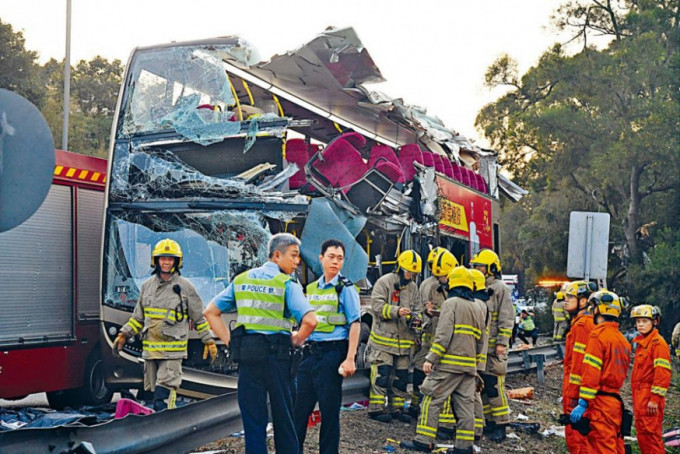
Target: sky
point(433, 53)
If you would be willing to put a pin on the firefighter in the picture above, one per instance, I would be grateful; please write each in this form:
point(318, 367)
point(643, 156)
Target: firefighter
point(576, 296)
point(650, 380)
point(675, 340)
point(560, 319)
point(433, 291)
point(482, 295)
point(451, 366)
point(266, 300)
point(496, 410)
point(397, 307)
point(605, 366)
point(166, 303)
point(329, 354)
point(527, 327)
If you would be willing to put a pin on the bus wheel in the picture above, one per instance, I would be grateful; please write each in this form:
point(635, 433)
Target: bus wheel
point(59, 400)
point(94, 390)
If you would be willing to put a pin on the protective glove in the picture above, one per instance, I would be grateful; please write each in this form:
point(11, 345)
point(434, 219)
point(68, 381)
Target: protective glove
point(577, 413)
point(210, 349)
point(118, 342)
point(479, 383)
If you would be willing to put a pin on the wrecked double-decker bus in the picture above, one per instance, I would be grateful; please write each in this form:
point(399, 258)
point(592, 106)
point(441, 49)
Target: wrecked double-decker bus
point(218, 150)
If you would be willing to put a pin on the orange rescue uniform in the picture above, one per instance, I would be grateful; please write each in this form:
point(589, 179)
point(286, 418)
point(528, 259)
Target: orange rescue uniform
point(649, 382)
point(605, 366)
point(574, 349)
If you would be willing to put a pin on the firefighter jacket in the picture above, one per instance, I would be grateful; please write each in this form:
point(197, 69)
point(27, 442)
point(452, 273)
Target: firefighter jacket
point(652, 365)
point(481, 357)
point(558, 311)
point(675, 339)
point(390, 332)
point(606, 362)
point(574, 349)
point(163, 321)
point(459, 338)
point(501, 312)
point(430, 290)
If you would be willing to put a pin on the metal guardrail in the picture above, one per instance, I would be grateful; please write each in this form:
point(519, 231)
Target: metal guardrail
point(196, 424)
point(175, 431)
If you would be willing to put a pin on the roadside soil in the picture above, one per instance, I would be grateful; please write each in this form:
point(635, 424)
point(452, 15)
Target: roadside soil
point(363, 435)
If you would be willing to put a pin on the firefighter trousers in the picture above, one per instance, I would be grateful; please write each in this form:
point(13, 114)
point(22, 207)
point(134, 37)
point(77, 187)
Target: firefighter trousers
point(389, 378)
point(437, 388)
point(576, 443)
point(558, 331)
point(447, 419)
point(479, 416)
point(494, 399)
point(605, 414)
point(648, 427)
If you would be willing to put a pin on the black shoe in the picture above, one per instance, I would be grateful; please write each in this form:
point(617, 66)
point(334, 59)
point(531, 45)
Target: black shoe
point(413, 411)
point(445, 434)
point(416, 445)
point(498, 435)
point(459, 450)
point(401, 416)
point(489, 427)
point(380, 416)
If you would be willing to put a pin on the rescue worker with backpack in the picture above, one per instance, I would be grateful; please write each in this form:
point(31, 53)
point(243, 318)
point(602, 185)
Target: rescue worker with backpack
point(451, 366)
point(433, 291)
point(496, 410)
point(267, 302)
point(166, 304)
point(330, 351)
point(605, 366)
point(650, 380)
point(396, 303)
point(560, 322)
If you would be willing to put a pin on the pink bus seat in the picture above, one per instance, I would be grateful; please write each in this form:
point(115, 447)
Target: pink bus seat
point(354, 138)
point(428, 159)
point(297, 152)
point(408, 154)
point(466, 177)
point(340, 164)
point(379, 151)
point(438, 162)
point(457, 172)
point(448, 167)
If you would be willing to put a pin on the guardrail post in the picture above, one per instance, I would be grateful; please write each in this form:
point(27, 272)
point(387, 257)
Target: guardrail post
point(527, 360)
point(539, 359)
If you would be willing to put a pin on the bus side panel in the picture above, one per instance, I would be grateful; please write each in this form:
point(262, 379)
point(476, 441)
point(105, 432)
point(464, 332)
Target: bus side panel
point(90, 208)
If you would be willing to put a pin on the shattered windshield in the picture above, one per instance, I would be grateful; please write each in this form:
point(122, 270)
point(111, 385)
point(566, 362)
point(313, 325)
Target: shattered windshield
point(215, 246)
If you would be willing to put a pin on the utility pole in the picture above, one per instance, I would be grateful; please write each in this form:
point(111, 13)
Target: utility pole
point(67, 78)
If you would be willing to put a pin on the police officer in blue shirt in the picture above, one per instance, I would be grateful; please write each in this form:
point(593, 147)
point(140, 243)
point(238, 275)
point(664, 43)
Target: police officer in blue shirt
point(329, 354)
point(266, 299)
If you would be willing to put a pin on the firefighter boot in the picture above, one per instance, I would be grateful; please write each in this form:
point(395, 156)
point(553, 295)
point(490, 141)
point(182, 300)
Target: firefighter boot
point(489, 427)
point(445, 434)
point(498, 435)
point(380, 416)
point(459, 450)
point(415, 445)
point(161, 395)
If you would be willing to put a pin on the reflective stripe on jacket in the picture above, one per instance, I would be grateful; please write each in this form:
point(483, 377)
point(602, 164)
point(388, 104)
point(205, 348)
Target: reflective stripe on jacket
point(652, 365)
point(325, 303)
point(527, 324)
point(558, 311)
point(391, 333)
point(606, 361)
point(574, 349)
point(260, 303)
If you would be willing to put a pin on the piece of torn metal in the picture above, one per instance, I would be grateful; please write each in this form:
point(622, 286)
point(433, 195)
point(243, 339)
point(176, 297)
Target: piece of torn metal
point(510, 189)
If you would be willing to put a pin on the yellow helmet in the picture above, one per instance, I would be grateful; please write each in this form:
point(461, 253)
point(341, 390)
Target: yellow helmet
point(488, 259)
point(443, 263)
point(580, 289)
point(606, 302)
point(478, 279)
point(166, 248)
point(559, 296)
point(410, 261)
point(645, 310)
point(460, 277)
point(433, 254)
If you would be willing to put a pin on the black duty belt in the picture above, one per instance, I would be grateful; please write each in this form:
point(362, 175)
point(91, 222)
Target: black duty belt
point(315, 348)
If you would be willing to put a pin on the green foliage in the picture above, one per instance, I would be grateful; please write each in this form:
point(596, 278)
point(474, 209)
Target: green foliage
point(18, 71)
point(594, 130)
point(94, 92)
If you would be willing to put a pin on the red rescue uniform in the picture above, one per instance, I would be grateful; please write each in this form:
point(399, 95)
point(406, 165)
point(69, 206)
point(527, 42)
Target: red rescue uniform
point(605, 366)
point(574, 349)
point(649, 382)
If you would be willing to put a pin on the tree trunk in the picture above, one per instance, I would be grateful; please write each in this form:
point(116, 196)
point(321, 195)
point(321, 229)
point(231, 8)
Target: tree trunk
point(631, 222)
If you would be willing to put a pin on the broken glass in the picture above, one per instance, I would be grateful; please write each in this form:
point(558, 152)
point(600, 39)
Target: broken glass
point(216, 247)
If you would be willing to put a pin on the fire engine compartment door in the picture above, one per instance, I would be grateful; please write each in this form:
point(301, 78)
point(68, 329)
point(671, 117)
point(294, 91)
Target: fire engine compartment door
point(36, 274)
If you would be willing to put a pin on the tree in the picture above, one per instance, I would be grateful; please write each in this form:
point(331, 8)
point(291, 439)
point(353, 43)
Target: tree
point(599, 124)
point(19, 71)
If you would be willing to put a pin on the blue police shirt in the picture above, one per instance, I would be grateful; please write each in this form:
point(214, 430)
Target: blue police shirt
point(348, 303)
point(296, 301)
